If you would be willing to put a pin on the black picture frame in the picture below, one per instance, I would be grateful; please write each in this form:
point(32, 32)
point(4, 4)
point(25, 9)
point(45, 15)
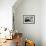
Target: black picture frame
point(28, 19)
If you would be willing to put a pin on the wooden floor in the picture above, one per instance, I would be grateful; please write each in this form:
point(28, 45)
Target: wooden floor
point(9, 43)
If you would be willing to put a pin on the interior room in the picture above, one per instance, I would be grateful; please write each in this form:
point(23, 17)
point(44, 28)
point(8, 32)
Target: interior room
point(22, 22)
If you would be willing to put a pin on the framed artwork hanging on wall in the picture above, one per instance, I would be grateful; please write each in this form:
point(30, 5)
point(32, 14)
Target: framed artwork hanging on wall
point(29, 19)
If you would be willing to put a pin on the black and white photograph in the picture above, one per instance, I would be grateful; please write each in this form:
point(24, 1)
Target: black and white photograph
point(29, 19)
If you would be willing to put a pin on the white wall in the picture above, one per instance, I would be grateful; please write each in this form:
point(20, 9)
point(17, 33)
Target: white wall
point(43, 22)
point(36, 31)
point(31, 31)
point(6, 13)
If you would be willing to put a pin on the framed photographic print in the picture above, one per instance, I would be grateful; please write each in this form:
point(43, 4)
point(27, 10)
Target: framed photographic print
point(29, 19)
